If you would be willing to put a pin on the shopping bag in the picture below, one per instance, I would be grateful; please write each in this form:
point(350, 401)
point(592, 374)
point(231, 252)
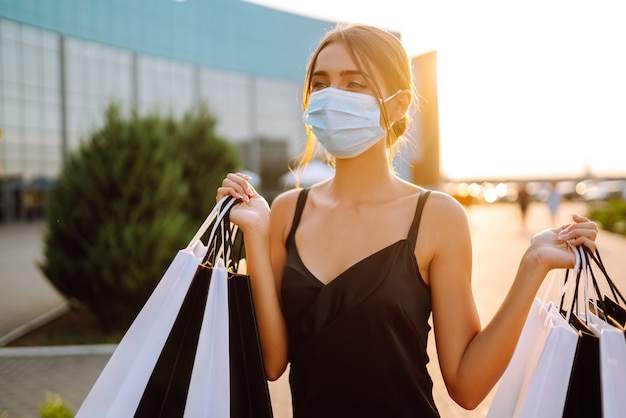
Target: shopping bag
point(615, 312)
point(583, 393)
point(584, 397)
point(537, 375)
point(612, 362)
point(209, 387)
point(249, 391)
point(123, 382)
point(547, 389)
point(609, 303)
point(250, 395)
point(612, 344)
point(514, 382)
point(204, 308)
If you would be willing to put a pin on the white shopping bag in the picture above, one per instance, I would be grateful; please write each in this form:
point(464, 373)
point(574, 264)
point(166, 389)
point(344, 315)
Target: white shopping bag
point(612, 367)
point(208, 389)
point(120, 386)
point(547, 389)
point(516, 378)
point(535, 381)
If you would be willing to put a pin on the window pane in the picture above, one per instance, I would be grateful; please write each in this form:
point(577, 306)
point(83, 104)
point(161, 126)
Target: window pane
point(31, 65)
point(31, 36)
point(50, 63)
point(33, 114)
point(10, 61)
point(50, 41)
point(9, 30)
point(51, 117)
point(10, 90)
point(12, 113)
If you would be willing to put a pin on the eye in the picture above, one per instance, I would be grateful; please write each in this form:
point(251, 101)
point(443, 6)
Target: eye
point(318, 85)
point(356, 86)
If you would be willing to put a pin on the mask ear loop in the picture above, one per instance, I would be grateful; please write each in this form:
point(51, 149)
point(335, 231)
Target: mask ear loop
point(391, 97)
point(384, 109)
point(386, 119)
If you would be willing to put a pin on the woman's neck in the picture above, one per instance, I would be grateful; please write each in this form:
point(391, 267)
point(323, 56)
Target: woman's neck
point(365, 179)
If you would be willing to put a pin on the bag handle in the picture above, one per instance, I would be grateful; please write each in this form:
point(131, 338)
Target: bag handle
point(585, 269)
point(617, 295)
point(570, 286)
point(218, 212)
point(220, 241)
point(587, 256)
point(234, 248)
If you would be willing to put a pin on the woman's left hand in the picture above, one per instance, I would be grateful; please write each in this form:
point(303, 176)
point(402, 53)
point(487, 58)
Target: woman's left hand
point(553, 245)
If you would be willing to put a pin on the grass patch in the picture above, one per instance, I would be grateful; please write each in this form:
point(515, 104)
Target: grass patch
point(78, 326)
point(55, 407)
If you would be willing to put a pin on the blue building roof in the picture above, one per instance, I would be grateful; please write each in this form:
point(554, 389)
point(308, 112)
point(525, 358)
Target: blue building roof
point(229, 34)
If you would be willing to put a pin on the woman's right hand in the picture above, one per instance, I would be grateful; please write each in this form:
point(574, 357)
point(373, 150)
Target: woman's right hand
point(252, 211)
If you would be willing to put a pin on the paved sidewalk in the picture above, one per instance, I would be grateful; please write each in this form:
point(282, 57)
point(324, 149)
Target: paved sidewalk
point(27, 300)
point(26, 374)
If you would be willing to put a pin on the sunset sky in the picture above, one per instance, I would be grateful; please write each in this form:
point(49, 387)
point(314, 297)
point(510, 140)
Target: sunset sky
point(528, 88)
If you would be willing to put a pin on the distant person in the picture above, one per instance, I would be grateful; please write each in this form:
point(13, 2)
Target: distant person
point(523, 199)
point(346, 278)
point(554, 202)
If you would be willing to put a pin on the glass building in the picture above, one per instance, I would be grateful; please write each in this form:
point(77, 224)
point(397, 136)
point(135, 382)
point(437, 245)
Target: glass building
point(62, 62)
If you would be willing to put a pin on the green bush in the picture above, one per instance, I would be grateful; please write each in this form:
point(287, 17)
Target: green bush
point(132, 195)
point(611, 215)
point(55, 407)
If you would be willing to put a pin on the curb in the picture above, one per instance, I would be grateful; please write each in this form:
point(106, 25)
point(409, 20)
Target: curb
point(61, 350)
point(52, 314)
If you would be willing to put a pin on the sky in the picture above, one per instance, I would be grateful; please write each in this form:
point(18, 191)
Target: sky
point(526, 88)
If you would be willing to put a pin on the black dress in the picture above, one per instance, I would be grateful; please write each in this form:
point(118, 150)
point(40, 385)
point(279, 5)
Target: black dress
point(357, 346)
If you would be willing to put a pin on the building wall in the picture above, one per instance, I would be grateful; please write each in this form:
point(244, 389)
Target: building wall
point(62, 62)
point(229, 34)
point(425, 122)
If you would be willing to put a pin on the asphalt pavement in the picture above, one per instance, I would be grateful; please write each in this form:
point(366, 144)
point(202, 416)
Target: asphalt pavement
point(27, 301)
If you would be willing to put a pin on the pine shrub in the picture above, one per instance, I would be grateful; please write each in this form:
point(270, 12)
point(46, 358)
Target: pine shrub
point(127, 200)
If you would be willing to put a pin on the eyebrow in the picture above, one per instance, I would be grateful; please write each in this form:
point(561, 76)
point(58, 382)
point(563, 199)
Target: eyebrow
point(342, 73)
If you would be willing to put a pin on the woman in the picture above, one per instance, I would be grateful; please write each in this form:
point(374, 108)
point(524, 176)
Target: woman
point(345, 274)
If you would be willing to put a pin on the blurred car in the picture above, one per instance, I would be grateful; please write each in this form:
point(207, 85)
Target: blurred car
point(600, 190)
point(315, 172)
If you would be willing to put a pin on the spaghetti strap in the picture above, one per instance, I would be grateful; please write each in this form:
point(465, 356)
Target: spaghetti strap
point(298, 213)
point(412, 238)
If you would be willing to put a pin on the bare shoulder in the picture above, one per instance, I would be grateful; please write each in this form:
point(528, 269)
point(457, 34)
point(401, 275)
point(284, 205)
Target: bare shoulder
point(442, 206)
point(286, 200)
point(444, 218)
point(282, 211)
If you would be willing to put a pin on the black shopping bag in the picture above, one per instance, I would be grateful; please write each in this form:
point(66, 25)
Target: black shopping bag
point(250, 396)
point(612, 311)
point(165, 394)
point(248, 385)
point(584, 397)
point(615, 312)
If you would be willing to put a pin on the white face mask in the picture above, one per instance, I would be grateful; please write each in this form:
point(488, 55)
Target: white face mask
point(346, 123)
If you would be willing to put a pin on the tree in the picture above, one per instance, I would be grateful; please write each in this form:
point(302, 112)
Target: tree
point(131, 195)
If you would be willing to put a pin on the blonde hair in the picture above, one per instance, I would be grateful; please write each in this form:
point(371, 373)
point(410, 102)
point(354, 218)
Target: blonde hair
point(371, 49)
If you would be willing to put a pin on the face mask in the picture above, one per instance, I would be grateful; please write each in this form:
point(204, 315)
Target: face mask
point(346, 123)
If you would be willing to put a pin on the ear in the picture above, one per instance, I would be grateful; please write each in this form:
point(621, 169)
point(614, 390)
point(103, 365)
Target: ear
point(398, 106)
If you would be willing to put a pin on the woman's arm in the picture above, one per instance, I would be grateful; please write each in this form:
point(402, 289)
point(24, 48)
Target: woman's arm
point(259, 226)
point(473, 359)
